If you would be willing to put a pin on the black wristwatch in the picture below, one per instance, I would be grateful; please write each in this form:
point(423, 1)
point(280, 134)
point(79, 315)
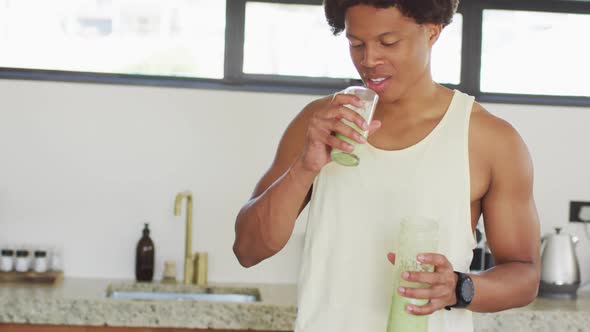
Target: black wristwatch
point(464, 291)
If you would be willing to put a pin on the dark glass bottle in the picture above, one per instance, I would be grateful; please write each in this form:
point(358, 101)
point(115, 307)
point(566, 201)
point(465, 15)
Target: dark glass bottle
point(144, 257)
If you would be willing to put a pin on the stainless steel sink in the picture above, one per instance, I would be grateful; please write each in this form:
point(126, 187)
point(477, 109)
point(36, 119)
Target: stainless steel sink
point(184, 296)
point(154, 292)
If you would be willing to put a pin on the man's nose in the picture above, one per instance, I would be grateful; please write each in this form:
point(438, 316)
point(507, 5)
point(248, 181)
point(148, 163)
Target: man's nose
point(371, 57)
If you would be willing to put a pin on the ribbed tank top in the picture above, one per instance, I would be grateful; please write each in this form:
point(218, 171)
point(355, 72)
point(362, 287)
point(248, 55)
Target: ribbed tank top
point(346, 282)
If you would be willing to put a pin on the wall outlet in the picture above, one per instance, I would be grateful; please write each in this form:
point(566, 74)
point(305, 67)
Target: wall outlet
point(575, 208)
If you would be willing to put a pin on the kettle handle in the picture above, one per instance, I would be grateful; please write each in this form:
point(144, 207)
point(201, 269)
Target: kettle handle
point(543, 240)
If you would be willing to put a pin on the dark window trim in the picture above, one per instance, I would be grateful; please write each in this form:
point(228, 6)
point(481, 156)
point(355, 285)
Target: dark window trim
point(471, 49)
point(235, 80)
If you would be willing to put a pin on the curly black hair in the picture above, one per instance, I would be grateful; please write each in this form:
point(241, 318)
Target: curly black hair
point(422, 11)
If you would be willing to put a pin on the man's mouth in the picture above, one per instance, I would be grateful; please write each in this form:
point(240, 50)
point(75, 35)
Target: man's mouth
point(377, 84)
point(378, 80)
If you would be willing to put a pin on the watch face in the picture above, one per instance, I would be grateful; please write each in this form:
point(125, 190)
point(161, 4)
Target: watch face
point(467, 290)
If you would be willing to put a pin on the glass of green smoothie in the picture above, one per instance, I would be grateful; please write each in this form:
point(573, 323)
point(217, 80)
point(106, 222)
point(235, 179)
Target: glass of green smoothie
point(416, 235)
point(369, 99)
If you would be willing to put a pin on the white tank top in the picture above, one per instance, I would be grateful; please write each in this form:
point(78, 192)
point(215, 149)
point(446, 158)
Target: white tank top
point(346, 282)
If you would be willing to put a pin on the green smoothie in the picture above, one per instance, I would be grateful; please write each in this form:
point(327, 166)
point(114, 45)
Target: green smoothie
point(369, 99)
point(345, 158)
point(416, 235)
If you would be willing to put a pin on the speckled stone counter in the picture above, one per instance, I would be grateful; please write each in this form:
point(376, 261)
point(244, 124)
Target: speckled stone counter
point(85, 302)
point(543, 315)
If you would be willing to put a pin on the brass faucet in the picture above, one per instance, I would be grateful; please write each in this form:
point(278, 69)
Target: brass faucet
point(188, 257)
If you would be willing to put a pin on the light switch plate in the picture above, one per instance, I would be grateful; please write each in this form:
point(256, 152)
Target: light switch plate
point(575, 207)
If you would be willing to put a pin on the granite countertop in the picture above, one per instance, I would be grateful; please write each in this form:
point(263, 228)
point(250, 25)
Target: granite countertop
point(78, 301)
point(542, 315)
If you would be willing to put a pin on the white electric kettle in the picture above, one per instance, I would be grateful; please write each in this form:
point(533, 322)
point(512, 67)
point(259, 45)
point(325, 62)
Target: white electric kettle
point(560, 270)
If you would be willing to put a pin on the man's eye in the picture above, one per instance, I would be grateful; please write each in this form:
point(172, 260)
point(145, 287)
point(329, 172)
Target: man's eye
point(389, 44)
point(355, 45)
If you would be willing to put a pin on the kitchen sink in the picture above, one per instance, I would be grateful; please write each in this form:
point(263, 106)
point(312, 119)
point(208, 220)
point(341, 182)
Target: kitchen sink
point(183, 296)
point(179, 292)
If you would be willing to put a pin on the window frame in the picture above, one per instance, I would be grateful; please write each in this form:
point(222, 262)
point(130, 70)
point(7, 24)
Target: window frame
point(236, 80)
point(552, 6)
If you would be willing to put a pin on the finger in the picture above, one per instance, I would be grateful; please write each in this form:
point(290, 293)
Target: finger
point(346, 130)
point(337, 143)
point(329, 126)
point(424, 293)
point(374, 126)
point(431, 278)
point(341, 99)
point(319, 127)
point(342, 112)
point(422, 310)
point(438, 260)
point(391, 258)
point(446, 277)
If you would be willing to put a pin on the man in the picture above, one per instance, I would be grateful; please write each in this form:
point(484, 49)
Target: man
point(431, 152)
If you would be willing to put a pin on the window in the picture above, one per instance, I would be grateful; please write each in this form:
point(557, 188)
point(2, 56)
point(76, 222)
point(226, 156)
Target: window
point(446, 53)
point(148, 37)
point(536, 53)
point(528, 51)
point(273, 46)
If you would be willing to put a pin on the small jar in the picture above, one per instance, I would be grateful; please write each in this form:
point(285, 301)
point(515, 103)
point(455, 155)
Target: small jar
point(40, 262)
point(56, 262)
point(169, 272)
point(7, 260)
point(22, 261)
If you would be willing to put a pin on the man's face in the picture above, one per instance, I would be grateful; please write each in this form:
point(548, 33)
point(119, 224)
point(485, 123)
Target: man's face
point(391, 52)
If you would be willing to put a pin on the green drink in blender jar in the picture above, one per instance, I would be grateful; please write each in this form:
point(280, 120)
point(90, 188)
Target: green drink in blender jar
point(369, 99)
point(417, 235)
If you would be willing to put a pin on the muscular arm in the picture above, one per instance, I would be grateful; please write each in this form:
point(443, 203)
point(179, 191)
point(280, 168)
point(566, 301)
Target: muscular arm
point(266, 222)
point(511, 225)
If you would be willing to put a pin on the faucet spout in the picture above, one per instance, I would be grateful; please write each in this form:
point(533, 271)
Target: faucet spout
point(188, 258)
point(178, 201)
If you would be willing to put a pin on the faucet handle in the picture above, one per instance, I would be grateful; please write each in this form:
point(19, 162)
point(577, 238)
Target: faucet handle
point(200, 273)
point(188, 271)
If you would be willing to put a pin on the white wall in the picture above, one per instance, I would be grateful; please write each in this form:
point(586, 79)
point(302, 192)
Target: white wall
point(85, 165)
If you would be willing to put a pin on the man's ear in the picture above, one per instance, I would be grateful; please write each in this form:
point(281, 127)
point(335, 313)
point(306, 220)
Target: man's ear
point(433, 31)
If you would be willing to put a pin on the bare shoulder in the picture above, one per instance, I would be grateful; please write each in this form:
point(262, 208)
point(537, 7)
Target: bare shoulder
point(492, 132)
point(497, 143)
point(491, 127)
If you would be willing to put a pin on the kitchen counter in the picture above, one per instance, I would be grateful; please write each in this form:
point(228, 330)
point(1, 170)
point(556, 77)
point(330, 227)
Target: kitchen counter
point(546, 315)
point(84, 302)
